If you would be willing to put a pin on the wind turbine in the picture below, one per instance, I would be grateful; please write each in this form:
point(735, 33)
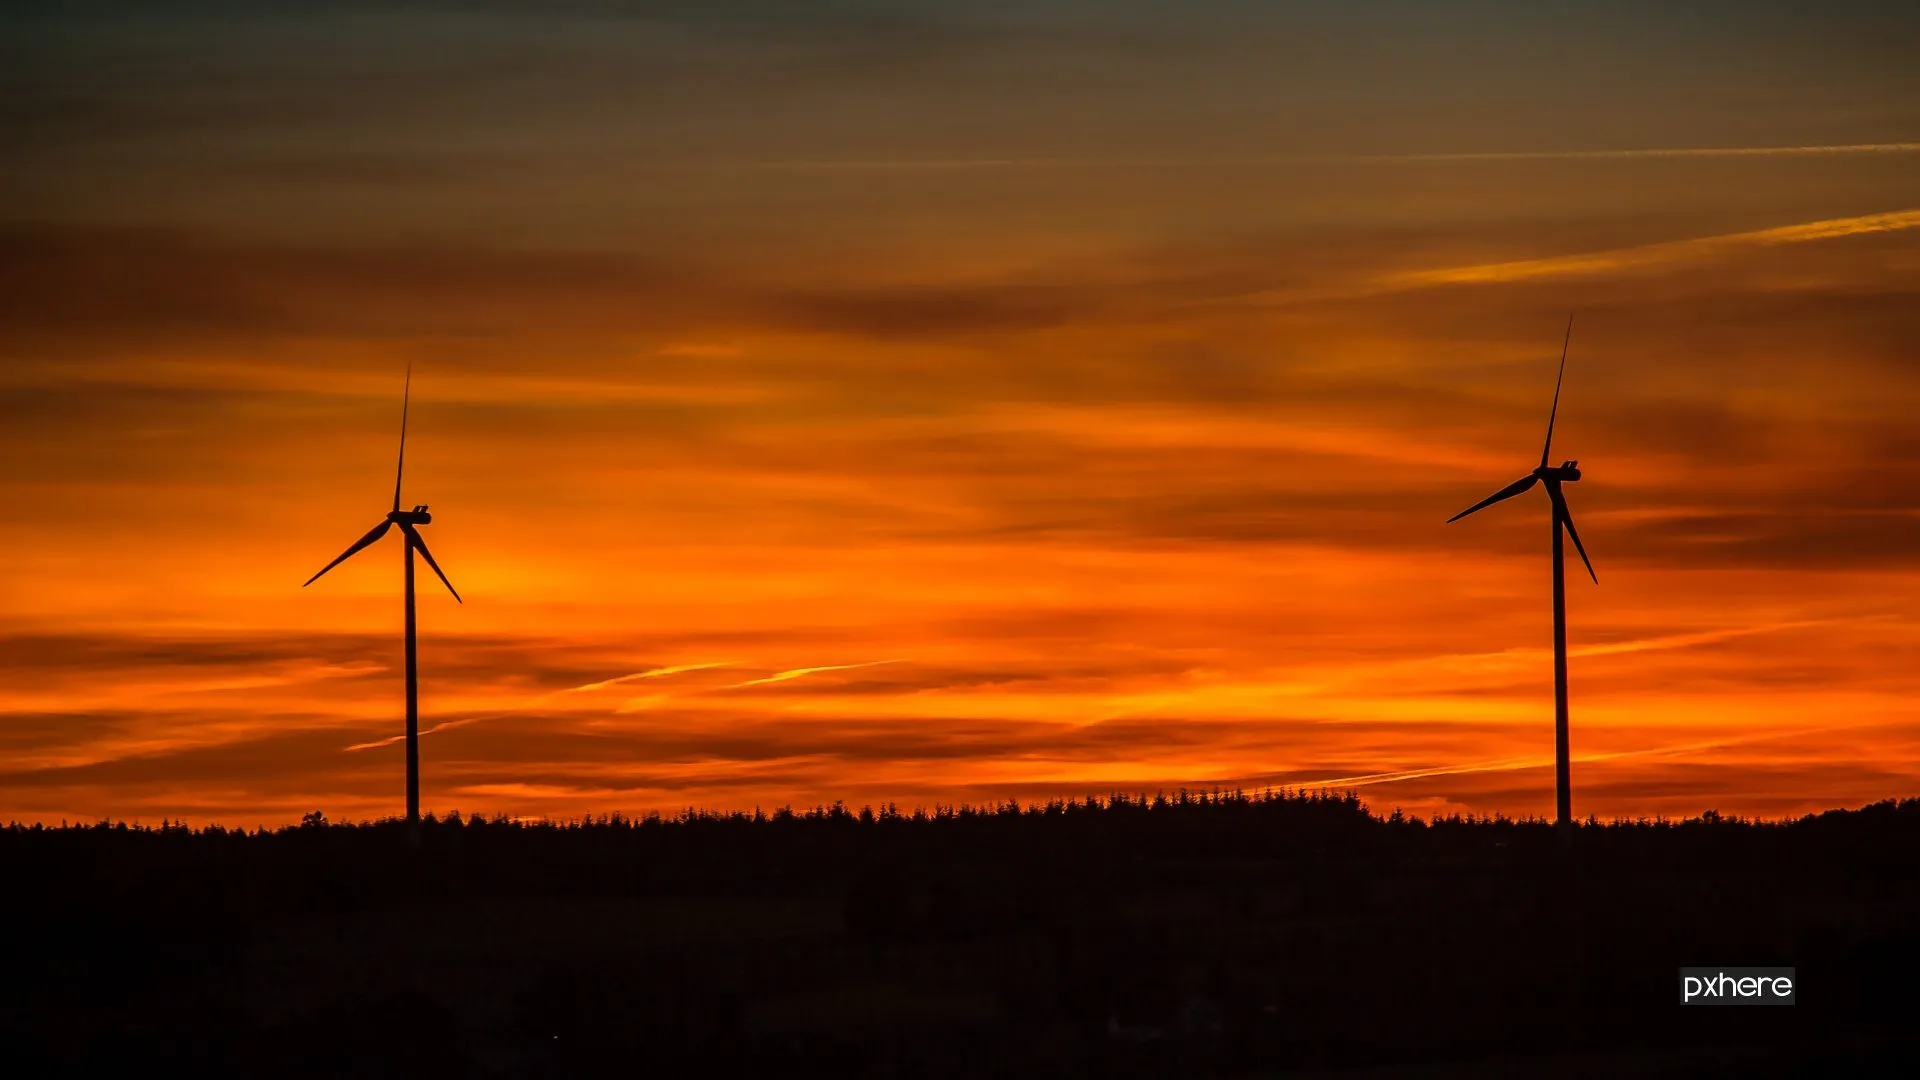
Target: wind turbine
point(1554, 477)
point(409, 522)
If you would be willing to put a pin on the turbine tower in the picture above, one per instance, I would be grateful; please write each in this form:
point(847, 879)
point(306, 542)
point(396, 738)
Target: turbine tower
point(409, 522)
point(1564, 473)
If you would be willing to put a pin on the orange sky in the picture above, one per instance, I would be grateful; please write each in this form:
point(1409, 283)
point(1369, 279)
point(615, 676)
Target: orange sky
point(902, 408)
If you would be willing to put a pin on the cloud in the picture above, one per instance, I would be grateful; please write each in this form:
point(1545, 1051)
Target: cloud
point(1203, 161)
point(934, 309)
point(1816, 150)
point(86, 283)
point(1685, 641)
point(1655, 256)
point(88, 287)
point(654, 673)
point(391, 739)
point(220, 749)
point(802, 672)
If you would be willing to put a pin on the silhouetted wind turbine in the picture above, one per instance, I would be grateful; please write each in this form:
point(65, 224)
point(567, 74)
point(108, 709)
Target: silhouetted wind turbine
point(1565, 473)
point(409, 521)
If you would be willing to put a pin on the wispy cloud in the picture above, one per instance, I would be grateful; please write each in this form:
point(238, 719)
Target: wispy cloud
point(655, 673)
point(1654, 255)
point(1644, 257)
point(1204, 161)
point(441, 726)
point(1684, 641)
point(799, 672)
point(1659, 152)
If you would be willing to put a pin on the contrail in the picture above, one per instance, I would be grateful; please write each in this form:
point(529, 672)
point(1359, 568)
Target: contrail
point(1704, 637)
point(1634, 645)
point(908, 165)
point(441, 726)
point(798, 672)
point(1600, 262)
point(638, 703)
point(1615, 260)
point(653, 674)
point(1658, 152)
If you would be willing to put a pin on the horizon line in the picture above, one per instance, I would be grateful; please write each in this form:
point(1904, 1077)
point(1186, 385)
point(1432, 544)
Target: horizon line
point(1135, 797)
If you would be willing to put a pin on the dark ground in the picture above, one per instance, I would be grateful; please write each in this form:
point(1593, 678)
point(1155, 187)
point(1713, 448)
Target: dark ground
point(1213, 936)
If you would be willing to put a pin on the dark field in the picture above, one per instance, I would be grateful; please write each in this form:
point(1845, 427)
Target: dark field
point(1217, 936)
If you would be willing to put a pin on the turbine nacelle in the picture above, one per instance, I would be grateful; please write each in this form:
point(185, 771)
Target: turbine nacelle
point(1567, 472)
point(416, 516)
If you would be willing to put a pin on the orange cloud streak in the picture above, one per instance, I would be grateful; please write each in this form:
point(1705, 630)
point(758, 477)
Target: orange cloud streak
point(1657, 255)
point(801, 672)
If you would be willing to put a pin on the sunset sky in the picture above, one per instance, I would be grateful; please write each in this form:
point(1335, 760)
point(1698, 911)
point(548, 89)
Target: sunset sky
point(946, 402)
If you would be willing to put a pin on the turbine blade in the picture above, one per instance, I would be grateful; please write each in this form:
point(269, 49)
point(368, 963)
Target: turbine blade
point(1508, 492)
point(420, 545)
point(1547, 448)
point(1566, 518)
point(406, 399)
point(373, 534)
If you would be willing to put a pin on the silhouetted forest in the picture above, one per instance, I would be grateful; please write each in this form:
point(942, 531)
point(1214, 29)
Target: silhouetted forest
point(1193, 934)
